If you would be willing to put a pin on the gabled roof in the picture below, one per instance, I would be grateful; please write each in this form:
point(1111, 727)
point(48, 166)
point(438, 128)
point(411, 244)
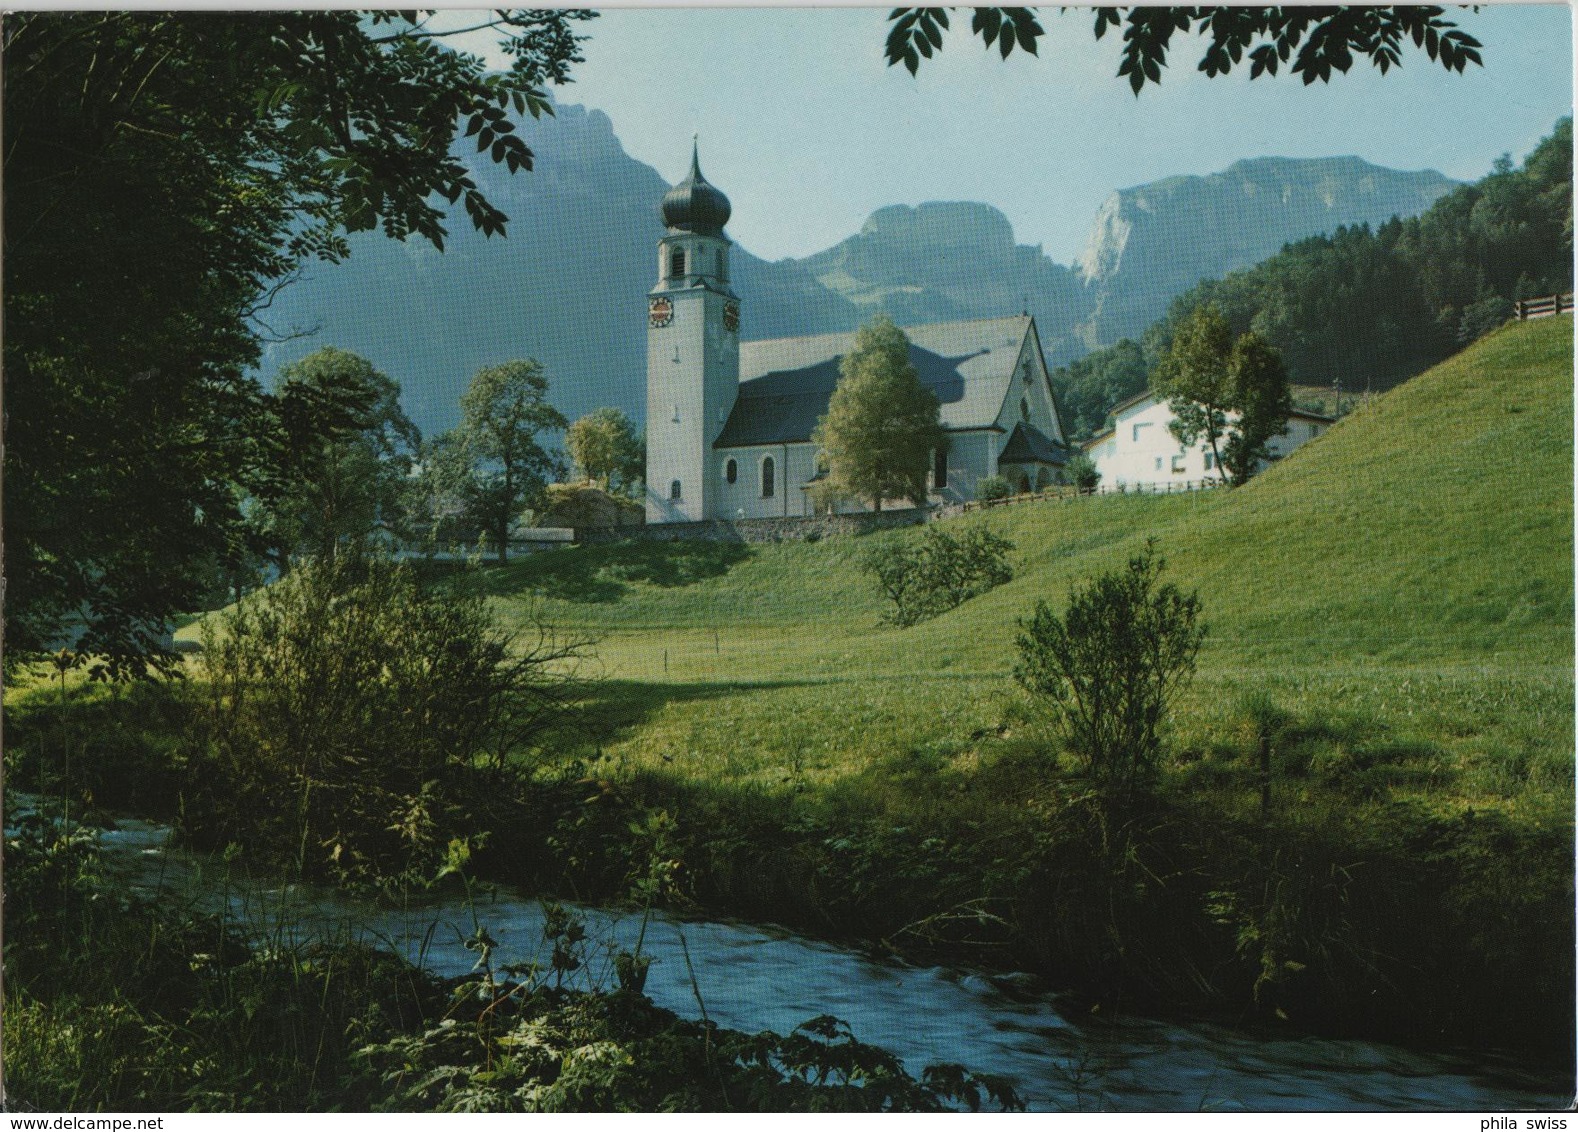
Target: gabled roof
point(1150, 395)
point(1029, 445)
point(785, 383)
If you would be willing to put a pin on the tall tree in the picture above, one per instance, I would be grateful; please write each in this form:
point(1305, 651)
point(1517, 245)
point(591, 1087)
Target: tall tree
point(1319, 40)
point(882, 424)
point(165, 173)
point(1262, 401)
point(1232, 394)
point(502, 413)
point(604, 444)
point(343, 477)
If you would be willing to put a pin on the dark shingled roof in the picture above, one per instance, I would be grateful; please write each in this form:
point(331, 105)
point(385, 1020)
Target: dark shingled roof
point(785, 383)
point(1029, 445)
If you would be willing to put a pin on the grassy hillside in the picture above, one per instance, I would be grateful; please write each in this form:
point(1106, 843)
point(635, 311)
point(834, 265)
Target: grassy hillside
point(1408, 575)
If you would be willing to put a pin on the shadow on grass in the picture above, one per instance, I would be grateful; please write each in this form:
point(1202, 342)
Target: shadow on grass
point(601, 575)
point(614, 706)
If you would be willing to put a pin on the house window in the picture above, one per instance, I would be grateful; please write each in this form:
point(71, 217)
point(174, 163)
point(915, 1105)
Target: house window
point(673, 490)
point(1136, 434)
point(1210, 461)
point(676, 263)
point(1158, 463)
point(731, 471)
point(1178, 463)
point(939, 469)
point(767, 477)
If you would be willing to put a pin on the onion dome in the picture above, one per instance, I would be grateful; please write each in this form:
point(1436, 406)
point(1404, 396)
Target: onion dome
point(693, 205)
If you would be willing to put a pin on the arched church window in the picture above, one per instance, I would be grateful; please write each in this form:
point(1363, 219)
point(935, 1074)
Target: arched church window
point(676, 263)
point(731, 471)
point(1024, 408)
point(939, 469)
point(767, 477)
point(673, 490)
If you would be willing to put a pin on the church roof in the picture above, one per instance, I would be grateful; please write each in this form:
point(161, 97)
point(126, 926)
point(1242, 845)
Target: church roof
point(785, 383)
point(1029, 445)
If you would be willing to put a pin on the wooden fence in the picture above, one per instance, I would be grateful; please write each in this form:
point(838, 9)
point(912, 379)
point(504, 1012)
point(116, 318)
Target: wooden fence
point(1526, 309)
point(1166, 487)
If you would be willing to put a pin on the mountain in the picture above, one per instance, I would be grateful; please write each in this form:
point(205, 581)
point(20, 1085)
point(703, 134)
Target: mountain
point(944, 261)
point(1155, 241)
point(568, 286)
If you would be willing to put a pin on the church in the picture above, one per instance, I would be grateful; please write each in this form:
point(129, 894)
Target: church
point(729, 422)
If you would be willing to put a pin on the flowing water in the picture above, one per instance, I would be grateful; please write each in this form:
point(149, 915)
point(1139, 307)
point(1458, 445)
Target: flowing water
point(753, 978)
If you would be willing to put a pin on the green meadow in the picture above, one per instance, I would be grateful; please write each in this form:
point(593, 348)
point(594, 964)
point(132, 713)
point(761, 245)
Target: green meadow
point(1407, 578)
point(755, 742)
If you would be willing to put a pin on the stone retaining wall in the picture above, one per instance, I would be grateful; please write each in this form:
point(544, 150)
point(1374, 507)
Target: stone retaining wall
point(798, 529)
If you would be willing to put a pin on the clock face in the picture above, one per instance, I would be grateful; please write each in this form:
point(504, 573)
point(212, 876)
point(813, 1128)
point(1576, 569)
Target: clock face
point(660, 312)
point(731, 316)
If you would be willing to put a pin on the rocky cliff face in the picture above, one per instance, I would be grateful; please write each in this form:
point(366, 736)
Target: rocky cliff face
point(1150, 243)
point(950, 260)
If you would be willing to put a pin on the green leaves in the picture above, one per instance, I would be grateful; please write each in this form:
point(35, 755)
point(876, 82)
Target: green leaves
point(917, 32)
point(1110, 667)
point(927, 576)
point(1325, 40)
point(882, 423)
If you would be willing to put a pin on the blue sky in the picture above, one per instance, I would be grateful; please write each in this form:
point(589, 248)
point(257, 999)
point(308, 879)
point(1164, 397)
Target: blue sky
point(808, 131)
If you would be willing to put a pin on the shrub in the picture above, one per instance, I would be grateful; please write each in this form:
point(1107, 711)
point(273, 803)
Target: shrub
point(1112, 665)
point(938, 571)
point(356, 722)
point(1081, 472)
point(992, 487)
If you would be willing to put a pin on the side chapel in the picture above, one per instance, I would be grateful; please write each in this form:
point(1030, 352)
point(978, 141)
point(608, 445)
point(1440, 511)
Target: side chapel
point(729, 422)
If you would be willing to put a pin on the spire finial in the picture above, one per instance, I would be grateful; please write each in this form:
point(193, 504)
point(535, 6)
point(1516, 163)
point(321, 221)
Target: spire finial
point(695, 155)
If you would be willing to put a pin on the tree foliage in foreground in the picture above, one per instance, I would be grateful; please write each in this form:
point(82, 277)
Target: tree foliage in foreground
point(356, 722)
point(938, 571)
point(1318, 41)
point(882, 426)
point(165, 173)
point(1111, 666)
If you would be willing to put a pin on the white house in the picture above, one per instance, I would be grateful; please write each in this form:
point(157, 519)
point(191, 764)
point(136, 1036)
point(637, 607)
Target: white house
point(1139, 450)
point(729, 422)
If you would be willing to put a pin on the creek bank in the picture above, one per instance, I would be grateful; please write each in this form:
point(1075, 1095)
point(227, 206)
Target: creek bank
point(747, 978)
point(1348, 926)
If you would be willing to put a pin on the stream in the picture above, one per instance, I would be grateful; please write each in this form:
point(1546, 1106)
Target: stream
point(751, 978)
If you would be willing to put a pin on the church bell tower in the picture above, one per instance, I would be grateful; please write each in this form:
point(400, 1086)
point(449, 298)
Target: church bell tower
point(693, 352)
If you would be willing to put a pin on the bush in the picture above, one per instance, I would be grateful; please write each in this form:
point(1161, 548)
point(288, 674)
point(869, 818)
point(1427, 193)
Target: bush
point(356, 722)
point(1112, 665)
point(1081, 472)
point(992, 487)
point(938, 571)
